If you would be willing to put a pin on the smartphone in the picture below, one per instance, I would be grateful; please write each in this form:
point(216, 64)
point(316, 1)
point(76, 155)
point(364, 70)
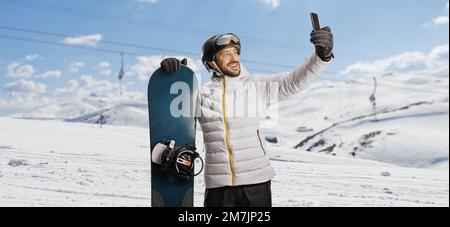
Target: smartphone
point(315, 21)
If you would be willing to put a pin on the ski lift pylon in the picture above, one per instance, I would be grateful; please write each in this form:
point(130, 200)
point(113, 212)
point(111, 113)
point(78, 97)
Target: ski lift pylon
point(121, 73)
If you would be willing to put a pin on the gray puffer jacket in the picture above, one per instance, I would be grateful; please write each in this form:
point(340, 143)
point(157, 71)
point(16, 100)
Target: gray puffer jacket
point(235, 152)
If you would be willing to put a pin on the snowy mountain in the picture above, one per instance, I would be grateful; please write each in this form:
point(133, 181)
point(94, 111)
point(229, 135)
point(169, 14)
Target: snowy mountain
point(127, 111)
point(410, 127)
point(130, 114)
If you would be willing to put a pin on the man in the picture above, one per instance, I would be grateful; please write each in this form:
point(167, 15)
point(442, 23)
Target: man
point(238, 171)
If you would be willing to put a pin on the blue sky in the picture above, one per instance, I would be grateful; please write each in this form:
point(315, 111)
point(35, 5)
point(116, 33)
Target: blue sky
point(271, 31)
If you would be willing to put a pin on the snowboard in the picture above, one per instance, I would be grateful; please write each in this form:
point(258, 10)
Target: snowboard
point(171, 107)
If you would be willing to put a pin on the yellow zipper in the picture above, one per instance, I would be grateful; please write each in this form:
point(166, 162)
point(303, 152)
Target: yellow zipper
point(227, 132)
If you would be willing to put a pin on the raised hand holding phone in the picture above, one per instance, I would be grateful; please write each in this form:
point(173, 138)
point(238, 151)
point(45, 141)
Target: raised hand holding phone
point(322, 38)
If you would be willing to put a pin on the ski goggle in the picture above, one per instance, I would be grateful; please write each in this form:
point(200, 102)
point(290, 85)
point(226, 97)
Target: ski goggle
point(227, 40)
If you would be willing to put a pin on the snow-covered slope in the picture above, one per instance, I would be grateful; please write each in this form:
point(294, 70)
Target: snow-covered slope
point(50, 163)
point(130, 114)
point(411, 127)
point(67, 164)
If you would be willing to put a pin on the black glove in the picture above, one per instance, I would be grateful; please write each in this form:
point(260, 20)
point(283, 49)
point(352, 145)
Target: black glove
point(324, 42)
point(172, 65)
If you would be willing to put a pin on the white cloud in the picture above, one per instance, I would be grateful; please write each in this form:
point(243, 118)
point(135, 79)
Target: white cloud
point(145, 67)
point(83, 96)
point(439, 21)
point(76, 66)
point(88, 86)
point(434, 61)
point(80, 96)
point(32, 57)
point(19, 104)
point(26, 86)
point(75, 98)
point(272, 3)
point(438, 58)
point(89, 40)
point(148, 64)
point(71, 86)
point(50, 74)
point(16, 70)
point(442, 20)
point(148, 1)
point(105, 68)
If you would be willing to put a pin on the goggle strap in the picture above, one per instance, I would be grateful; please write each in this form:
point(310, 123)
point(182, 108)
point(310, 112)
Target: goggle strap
point(215, 67)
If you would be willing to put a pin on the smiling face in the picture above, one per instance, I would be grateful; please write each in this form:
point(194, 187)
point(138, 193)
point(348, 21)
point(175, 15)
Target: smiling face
point(228, 61)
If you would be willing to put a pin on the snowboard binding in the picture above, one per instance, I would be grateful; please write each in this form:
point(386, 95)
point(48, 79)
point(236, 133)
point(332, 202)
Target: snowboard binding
point(178, 160)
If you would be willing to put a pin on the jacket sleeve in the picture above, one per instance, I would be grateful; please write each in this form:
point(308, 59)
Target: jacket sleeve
point(287, 84)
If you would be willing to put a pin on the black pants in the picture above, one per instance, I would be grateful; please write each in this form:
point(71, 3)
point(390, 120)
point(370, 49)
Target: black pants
point(258, 195)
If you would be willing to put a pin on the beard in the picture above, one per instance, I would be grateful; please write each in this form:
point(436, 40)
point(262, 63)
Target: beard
point(227, 70)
